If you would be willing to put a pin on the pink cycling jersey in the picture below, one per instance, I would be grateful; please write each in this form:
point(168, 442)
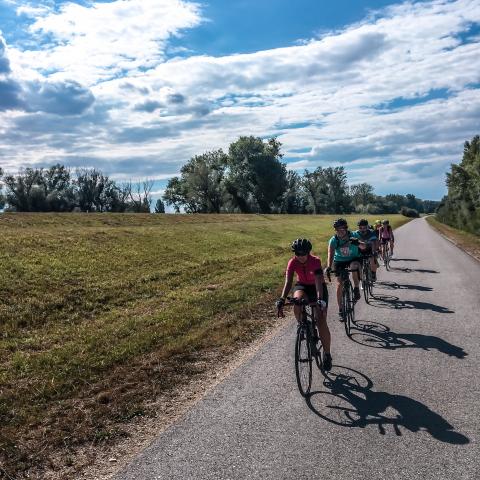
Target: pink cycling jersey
point(386, 232)
point(305, 271)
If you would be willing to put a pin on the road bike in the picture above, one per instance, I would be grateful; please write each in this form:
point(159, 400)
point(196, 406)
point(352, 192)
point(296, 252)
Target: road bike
point(367, 277)
point(386, 255)
point(307, 345)
point(348, 299)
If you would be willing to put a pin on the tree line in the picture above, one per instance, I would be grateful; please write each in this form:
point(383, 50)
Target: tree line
point(55, 189)
point(460, 208)
point(251, 178)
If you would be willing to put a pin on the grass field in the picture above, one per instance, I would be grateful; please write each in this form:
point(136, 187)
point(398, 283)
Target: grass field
point(101, 312)
point(465, 240)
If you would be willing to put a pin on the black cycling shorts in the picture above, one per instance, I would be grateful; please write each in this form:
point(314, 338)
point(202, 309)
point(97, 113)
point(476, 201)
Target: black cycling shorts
point(339, 266)
point(386, 240)
point(311, 291)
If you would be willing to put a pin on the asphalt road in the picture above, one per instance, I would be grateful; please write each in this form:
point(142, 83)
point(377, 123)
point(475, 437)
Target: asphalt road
point(402, 401)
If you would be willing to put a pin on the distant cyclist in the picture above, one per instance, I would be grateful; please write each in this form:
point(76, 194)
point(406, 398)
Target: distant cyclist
point(344, 252)
point(311, 286)
point(367, 236)
point(386, 236)
point(376, 227)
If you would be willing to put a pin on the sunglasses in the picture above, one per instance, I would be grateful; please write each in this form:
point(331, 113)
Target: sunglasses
point(301, 254)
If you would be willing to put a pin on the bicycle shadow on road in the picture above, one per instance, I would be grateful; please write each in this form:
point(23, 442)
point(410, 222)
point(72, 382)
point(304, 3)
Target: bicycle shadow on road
point(384, 285)
point(408, 270)
point(404, 259)
point(376, 335)
point(349, 401)
point(394, 303)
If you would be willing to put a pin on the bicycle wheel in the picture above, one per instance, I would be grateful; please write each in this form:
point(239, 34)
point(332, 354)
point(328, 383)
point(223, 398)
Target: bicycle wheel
point(386, 260)
point(351, 310)
point(365, 280)
point(346, 306)
point(303, 360)
point(318, 348)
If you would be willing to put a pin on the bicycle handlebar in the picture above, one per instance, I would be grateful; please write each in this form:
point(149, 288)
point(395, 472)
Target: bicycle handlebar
point(299, 301)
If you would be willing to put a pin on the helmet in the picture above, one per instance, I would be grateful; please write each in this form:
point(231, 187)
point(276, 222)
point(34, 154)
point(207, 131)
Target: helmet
point(362, 222)
point(385, 222)
point(378, 222)
point(301, 245)
point(340, 222)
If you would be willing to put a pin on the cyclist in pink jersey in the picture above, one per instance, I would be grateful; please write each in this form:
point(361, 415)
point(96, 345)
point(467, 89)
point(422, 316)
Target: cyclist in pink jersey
point(311, 286)
point(386, 236)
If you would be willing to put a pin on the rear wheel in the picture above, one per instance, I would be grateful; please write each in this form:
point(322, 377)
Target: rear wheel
point(303, 360)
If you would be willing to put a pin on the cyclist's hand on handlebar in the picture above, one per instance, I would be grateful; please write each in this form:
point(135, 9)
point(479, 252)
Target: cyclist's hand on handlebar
point(354, 241)
point(321, 304)
point(280, 304)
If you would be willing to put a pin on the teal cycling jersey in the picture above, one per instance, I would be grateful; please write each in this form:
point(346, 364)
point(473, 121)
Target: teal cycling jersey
point(345, 251)
point(367, 237)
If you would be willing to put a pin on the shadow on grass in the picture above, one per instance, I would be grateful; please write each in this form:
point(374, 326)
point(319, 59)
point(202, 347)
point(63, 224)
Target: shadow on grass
point(377, 335)
point(349, 401)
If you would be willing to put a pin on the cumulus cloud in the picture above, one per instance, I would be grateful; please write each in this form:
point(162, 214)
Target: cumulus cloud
point(396, 90)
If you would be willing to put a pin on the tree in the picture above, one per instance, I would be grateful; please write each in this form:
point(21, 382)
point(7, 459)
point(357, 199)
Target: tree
point(327, 190)
point(461, 207)
point(159, 206)
point(362, 194)
point(256, 179)
point(200, 188)
point(2, 198)
point(140, 196)
point(294, 199)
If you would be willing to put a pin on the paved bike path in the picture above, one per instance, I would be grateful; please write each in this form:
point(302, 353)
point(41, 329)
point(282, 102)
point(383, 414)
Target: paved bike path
point(400, 402)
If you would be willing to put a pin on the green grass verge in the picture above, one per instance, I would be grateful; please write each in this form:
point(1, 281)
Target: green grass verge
point(465, 240)
point(94, 303)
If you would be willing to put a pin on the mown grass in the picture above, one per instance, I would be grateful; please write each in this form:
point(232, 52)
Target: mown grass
point(465, 240)
point(100, 312)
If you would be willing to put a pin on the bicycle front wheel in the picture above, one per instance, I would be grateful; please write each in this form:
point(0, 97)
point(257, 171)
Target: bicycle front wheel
point(303, 360)
point(318, 349)
point(347, 306)
point(366, 282)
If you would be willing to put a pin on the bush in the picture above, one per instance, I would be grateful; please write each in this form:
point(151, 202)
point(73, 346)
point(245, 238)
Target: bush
point(409, 212)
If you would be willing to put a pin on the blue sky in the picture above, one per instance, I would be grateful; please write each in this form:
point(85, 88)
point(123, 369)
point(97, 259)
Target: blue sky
point(390, 90)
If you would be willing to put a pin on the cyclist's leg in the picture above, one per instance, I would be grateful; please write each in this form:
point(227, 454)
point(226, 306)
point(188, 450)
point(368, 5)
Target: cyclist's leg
point(391, 247)
point(355, 265)
point(299, 293)
point(321, 318)
point(338, 266)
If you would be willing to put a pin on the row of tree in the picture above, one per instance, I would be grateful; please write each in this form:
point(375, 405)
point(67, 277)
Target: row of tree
point(460, 208)
point(55, 189)
point(252, 178)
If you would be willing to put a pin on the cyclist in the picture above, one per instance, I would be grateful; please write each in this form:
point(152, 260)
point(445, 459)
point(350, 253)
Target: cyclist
point(376, 228)
point(386, 236)
point(310, 285)
point(344, 252)
point(367, 236)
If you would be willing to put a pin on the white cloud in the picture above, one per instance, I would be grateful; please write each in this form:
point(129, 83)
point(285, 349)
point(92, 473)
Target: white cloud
point(329, 99)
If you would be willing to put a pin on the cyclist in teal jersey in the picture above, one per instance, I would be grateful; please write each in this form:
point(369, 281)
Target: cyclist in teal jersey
point(343, 253)
point(367, 236)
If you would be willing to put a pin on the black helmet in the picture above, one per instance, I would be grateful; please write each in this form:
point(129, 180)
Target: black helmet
point(385, 222)
point(340, 222)
point(362, 222)
point(301, 246)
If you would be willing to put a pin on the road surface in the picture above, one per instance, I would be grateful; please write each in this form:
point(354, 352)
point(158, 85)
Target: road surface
point(401, 402)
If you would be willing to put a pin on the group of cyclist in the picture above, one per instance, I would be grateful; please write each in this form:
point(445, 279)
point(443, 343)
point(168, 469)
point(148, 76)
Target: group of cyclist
point(346, 250)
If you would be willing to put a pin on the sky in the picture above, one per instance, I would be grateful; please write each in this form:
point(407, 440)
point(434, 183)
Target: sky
point(389, 90)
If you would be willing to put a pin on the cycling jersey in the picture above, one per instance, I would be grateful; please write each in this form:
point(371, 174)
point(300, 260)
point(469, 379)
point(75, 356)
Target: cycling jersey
point(386, 233)
point(368, 236)
point(345, 251)
point(305, 271)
